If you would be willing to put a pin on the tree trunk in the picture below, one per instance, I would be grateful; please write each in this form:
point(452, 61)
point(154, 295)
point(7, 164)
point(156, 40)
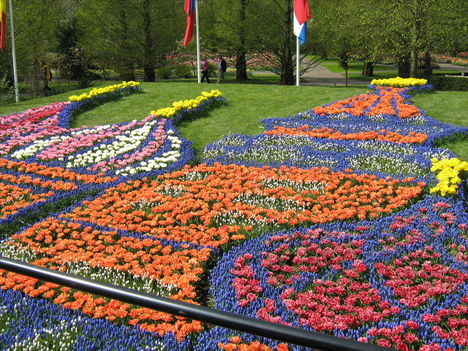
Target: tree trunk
point(126, 69)
point(149, 59)
point(427, 64)
point(415, 32)
point(287, 67)
point(368, 69)
point(404, 66)
point(241, 63)
point(414, 63)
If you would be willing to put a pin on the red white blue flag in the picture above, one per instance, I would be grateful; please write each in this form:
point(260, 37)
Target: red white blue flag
point(189, 9)
point(2, 23)
point(301, 16)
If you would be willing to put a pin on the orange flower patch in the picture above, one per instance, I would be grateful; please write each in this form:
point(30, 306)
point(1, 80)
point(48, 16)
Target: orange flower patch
point(329, 133)
point(13, 199)
point(59, 243)
point(24, 179)
point(213, 205)
point(24, 185)
point(237, 344)
point(372, 104)
point(53, 172)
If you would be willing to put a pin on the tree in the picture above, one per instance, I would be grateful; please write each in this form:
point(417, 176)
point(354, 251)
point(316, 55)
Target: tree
point(241, 50)
point(274, 34)
point(423, 26)
point(260, 26)
point(126, 34)
point(228, 25)
point(335, 28)
point(149, 52)
point(36, 23)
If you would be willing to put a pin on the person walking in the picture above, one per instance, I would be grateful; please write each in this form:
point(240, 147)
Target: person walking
point(222, 67)
point(205, 71)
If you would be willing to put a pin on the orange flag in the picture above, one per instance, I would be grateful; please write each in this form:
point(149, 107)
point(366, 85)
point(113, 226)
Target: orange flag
point(3, 6)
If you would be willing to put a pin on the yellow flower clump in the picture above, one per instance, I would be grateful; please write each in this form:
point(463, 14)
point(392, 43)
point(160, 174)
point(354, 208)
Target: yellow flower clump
point(448, 175)
point(186, 104)
point(399, 82)
point(99, 91)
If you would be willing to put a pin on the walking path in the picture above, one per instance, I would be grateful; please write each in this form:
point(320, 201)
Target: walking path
point(320, 75)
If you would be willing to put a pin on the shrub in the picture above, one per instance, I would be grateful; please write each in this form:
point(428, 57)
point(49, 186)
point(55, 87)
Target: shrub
point(164, 72)
point(183, 71)
point(449, 83)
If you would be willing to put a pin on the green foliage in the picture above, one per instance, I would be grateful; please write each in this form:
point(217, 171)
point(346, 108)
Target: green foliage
point(183, 71)
point(125, 35)
point(164, 72)
point(36, 23)
point(6, 90)
point(449, 83)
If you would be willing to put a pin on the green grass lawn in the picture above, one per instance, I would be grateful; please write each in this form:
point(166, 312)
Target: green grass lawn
point(449, 107)
point(248, 104)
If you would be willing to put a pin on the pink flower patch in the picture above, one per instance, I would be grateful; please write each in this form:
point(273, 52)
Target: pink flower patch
point(418, 277)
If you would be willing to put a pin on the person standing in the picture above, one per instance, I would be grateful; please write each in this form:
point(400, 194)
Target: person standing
point(205, 71)
point(222, 67)
point(47, 77)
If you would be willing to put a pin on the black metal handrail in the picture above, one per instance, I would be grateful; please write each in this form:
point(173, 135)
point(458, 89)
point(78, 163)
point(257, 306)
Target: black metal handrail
point(249, 325)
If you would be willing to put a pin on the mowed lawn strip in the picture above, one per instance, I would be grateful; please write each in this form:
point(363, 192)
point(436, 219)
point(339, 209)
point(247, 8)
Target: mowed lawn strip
point(449, 107)
point(248, 104)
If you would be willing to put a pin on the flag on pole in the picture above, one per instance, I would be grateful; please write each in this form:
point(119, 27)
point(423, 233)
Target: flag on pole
point(3, 6)
point(189, 9)
point(301, 16)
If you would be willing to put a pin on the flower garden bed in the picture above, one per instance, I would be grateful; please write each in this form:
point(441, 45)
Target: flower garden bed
point(344, 219)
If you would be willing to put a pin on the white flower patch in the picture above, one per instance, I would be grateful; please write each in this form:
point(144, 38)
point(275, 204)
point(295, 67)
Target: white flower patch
point(43, 339)
point(377, 118)
point(299, 140)
point(161, 162)
point(172, 191)
point(386, 147)
point(231, 140)
point(387, 164)
point(37, 146)
point(279, 155)
point(194, 176)
point(17, 253)
point(418, 119)
point(121, 278)
point(213, 152)
point(93, 130)
point(40, 145)
point(235, 217)
point(262, 201)
point(296, 186)
point(438, 154)
point(342, 115)
point(124, 143)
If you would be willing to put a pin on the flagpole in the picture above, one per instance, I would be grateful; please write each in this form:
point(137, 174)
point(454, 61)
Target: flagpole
point(13, 53)
point(298, 63)
point(198, 41)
